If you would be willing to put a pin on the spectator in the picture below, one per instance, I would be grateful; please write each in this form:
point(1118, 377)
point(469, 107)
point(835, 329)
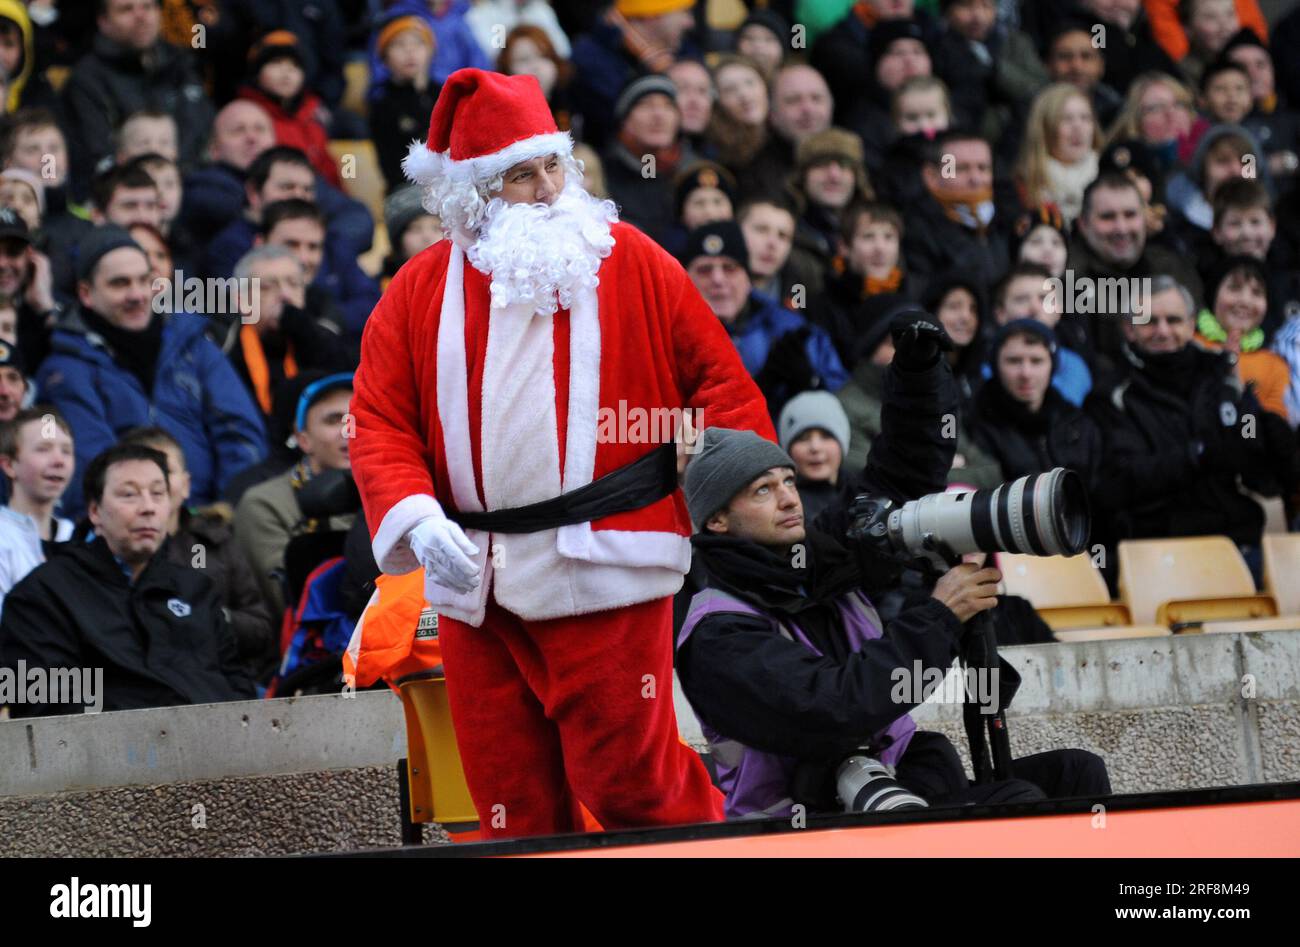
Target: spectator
point(454, 42)
point(268, 515)
point(339, 290)
point(27, 282)
point(1060, 149)
point(215, 194)
point(776, 266)
point(870, 266)
point(956, 225)
point(410, 228)
point(13, 381)
point(1245, 224)
point(147, 132)
point(1040, 236)
point(1169, 18)
point(845, 53)
point(1072, 57)
point(800, 107)
point(783, 352)
point(125, 195)
point(277, 336)
point(1272, 119)
point(1111, 243)
point(763, 38)
point(1225, 92)
point(1174, 436)
point(738, 126)
point(1210, 24)
point(26, 86)
point(814, 431)
point(897, 53)
point(703, 192)
point(162, 270)
point(1158, 111)
point(1225, 152)
point(277, 82)
point(37, 461)
point(632, 38)
point(492, 21)
point(90, 607)
point(1028, 292)
point(400, 106)
point(1237, 294)
point(201, 539)
point(829, 176)
point(1022, 421)
point(130, 68)
point(117, 364)
point(920, 109)
point(528, 51)
point(993, 69)
point(648, 138)
point(1138, 162)
point(279, 173)
point(167, 178)
point(695, 98)
point(24, 194)
point(1130, 49)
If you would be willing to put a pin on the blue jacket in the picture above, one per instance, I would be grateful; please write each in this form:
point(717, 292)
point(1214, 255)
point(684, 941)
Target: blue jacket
point(196, 397)
point(456, 46)
point(766, 321)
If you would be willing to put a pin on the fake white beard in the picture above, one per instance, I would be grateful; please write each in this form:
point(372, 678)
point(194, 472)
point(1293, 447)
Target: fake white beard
point(544, 255)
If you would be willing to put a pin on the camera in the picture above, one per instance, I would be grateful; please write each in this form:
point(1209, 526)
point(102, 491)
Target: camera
point(865, 784)
point(1044, 514)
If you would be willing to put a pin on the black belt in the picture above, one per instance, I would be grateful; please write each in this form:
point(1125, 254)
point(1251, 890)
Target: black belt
point(630, 487)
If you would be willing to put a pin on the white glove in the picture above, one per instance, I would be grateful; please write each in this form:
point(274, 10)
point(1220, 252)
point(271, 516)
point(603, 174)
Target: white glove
point(444, 550)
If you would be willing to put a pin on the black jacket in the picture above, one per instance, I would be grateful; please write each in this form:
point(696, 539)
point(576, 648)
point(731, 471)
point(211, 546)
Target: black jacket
point(1175, 442)
point(646, 203)
point(397, 117)
point(1025, 442)
point(111, 82)
point(773, 694)
point(935, 246)
point(161, 642)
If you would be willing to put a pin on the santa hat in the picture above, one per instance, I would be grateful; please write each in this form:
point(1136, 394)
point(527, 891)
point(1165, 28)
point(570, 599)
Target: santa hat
point(483, 124)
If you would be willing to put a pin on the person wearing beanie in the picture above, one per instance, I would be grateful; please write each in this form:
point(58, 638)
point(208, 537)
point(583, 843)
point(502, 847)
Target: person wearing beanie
point(536, 546)
point(277, 82)
point(815, 431)
point(784, 352)
point(410, 228)
point(641, 162)
point(704, 192)
point(632, 38)
point(829, 176)
point(23, 192)
point(118, 361)
point(764, 37)
point(1021, 420)
point(782, 652)
point(454, 44)
point(1236, 296)
point(400, 103)
point(1273, 119)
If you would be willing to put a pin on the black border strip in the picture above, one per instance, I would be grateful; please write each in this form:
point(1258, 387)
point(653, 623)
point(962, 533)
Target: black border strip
point(1261, 792)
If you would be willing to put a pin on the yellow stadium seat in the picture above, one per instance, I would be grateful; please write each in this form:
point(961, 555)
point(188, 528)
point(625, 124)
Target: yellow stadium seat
point(358, 164)
point(1112, 634)
point(1281, 623)
point(1066, 591)
point(1188, 580)
point(1282, 570)
point(435, 777)
point(356, 78)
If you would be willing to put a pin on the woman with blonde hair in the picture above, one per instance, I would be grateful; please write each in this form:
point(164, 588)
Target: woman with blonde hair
point(1059, 153)
point(1160, 112)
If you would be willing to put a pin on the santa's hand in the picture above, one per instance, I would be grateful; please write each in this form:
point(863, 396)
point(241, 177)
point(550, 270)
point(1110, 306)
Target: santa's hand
point(444, 550)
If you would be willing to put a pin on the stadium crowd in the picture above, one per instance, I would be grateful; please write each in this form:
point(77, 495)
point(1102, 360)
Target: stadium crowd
point(1096, 199)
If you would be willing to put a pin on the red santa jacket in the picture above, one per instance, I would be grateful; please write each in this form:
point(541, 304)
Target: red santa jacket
point(299, 129)
point(458, 410)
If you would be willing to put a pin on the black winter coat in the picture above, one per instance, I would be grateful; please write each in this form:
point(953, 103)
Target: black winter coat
point(161, 642)
point(1024, 442)
point(935, 246)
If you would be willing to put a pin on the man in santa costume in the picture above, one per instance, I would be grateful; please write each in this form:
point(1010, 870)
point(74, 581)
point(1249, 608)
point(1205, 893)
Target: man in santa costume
point(552, 539)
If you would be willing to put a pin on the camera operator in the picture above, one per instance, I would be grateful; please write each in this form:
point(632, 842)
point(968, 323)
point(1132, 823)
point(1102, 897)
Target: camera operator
point(783, 656)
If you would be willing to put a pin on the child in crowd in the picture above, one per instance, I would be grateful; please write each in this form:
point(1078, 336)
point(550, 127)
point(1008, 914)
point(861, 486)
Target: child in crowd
point(871, 265)
point(1060, 150)
point(1225, 93)
point(1273, 121)
point(1209, 25)
point(410, 228)
point(146, 133)
point(921, 108)
point(24, 194)
point(401, 103)
point(1236, 296)
point(814, 431)
point(1245, 224)
point(278, 84)
point(1027, 292)
point(37, 460)
point(777, 266)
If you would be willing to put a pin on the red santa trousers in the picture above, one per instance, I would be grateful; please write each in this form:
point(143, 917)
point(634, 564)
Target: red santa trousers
point(578, 709)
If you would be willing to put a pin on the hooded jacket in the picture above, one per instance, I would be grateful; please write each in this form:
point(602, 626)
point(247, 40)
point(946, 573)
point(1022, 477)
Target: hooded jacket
point(161, 641)
point(196, 396)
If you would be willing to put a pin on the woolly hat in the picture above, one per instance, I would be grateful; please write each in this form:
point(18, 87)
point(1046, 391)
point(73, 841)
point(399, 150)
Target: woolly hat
point(1244, 37)
point(401, 209)
point(833, 144)
point(98, 244)
point(1044, 215)
point(1023, 327)
point(725, 463)
point(398, 25)
point(702, 174)
point(638, 89)
point(12, 357)
point(886, 33)
point(482, 125)
point(645, 8)
point(720, 238)
point(813, 409)
point(274, 45)
point(771, 21)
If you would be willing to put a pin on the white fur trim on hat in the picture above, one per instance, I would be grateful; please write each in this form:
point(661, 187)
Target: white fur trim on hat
point(425, 167)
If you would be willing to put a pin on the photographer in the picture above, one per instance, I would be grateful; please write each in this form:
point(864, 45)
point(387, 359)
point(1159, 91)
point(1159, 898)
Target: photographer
point(784, 657)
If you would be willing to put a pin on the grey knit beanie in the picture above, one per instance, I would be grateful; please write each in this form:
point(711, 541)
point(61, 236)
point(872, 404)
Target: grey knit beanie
point(725, 462)
point(810, 409)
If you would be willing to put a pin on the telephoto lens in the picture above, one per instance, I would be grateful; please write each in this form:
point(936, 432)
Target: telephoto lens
point(867, 785)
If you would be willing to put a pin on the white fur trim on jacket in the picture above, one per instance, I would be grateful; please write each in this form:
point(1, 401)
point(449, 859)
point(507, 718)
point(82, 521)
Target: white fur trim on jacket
point(425, 167)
